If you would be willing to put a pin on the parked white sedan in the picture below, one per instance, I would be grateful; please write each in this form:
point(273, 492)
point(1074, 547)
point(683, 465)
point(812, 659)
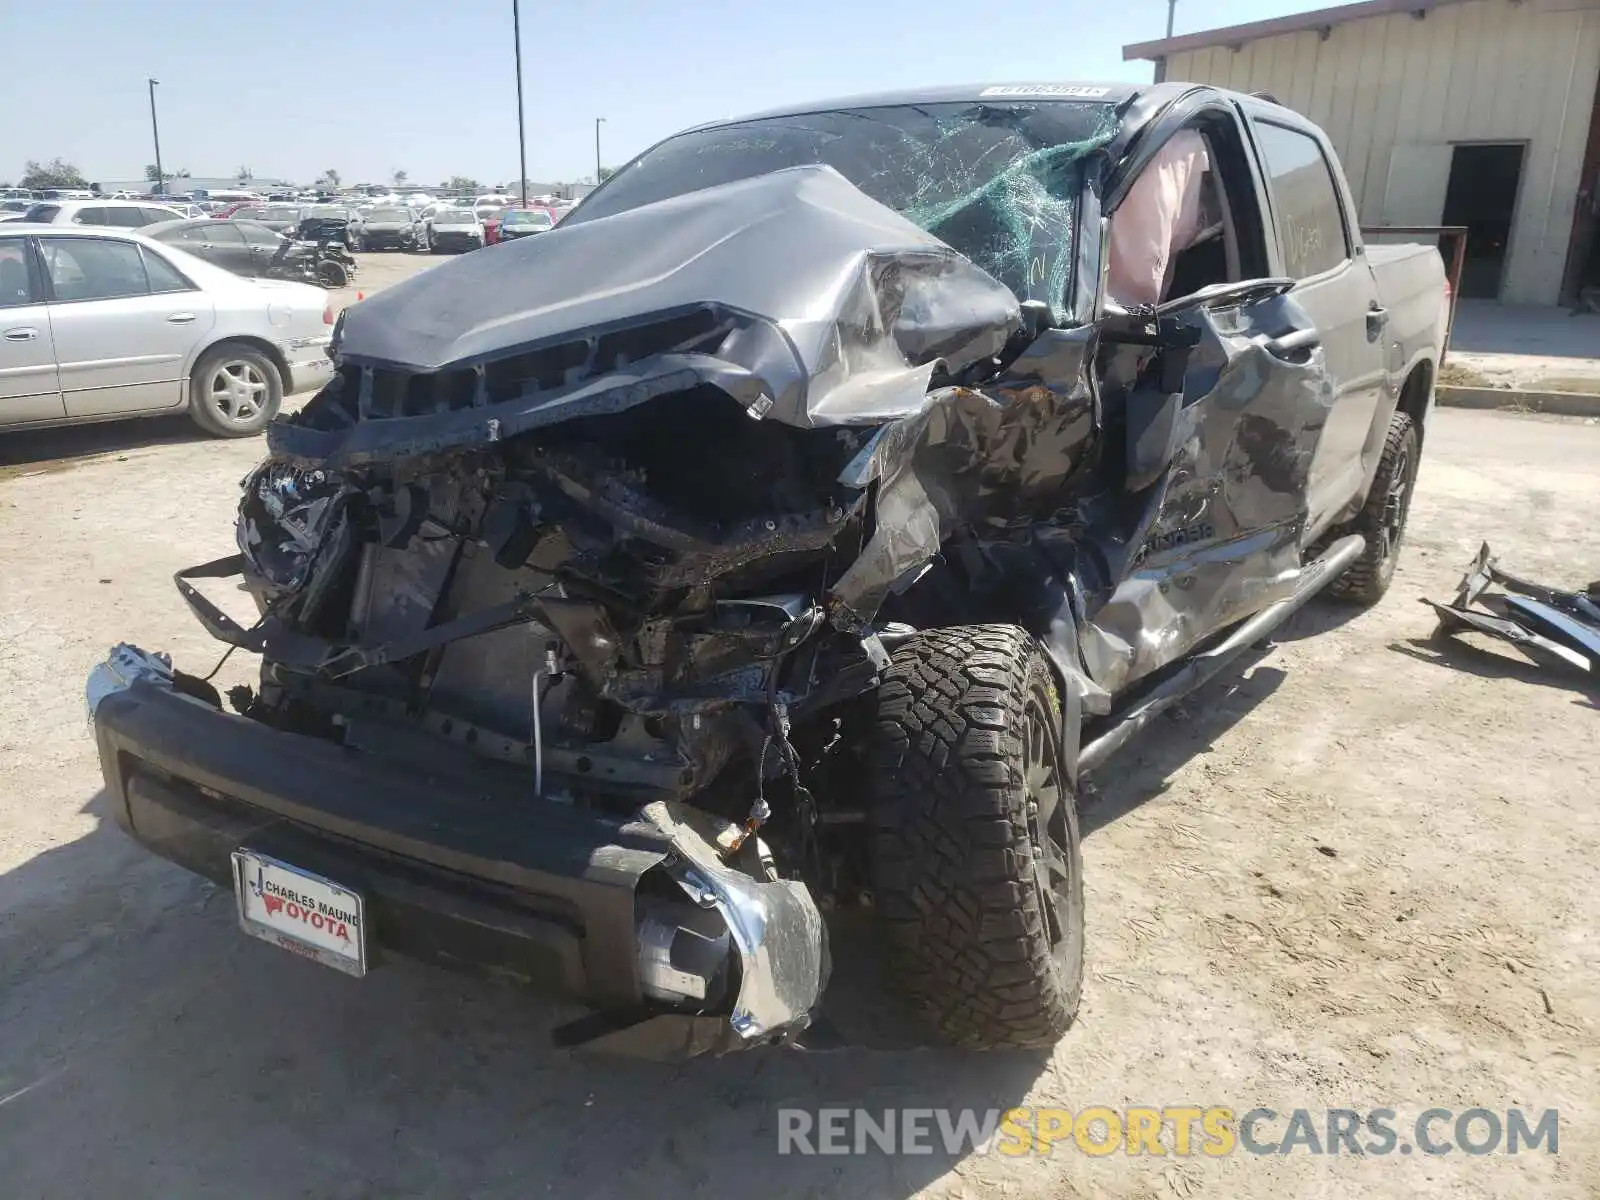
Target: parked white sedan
point(101, 324)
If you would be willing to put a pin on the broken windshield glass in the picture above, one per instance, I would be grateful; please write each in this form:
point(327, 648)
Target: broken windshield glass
point(998, 182)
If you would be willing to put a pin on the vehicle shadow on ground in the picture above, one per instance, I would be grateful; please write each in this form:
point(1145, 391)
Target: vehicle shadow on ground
point(156, 1049)
point(1142, 770)
point(63, 445)
point(1321, 615)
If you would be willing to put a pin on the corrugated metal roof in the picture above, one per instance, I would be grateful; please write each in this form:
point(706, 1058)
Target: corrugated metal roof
point(1322, 18)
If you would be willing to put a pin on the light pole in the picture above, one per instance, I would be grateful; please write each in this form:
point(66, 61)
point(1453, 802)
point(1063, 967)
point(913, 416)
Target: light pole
point(155, 132)
point(598, 121)
point(1160, 75)
point(522, 137)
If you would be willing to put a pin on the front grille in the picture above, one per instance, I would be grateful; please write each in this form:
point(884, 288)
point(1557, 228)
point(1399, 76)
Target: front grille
point(385, 392)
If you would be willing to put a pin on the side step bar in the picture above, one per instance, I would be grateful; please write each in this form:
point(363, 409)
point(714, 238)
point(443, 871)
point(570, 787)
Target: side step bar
point(1203, 666)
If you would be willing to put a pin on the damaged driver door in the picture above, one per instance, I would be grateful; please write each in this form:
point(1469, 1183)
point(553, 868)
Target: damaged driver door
point(1223, 422)
point(1222, 392)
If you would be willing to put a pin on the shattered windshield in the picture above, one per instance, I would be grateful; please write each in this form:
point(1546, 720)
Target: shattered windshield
point(998, 181)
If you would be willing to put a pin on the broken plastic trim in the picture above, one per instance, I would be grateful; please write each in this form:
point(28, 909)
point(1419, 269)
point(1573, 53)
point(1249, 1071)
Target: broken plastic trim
point(1555, 628)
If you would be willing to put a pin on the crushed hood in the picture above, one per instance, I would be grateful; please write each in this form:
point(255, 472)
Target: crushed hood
point(838, 308)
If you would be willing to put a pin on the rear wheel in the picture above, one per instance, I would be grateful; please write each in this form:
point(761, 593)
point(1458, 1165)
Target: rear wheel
point(234, 391)
point(976, 868)
point(1382, 520)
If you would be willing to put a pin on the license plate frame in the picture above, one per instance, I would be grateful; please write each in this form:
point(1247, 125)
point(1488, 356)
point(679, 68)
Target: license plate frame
point(308, 929)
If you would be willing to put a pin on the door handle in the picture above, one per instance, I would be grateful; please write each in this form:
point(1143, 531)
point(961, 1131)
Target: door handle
point(21, 334)
point(1301, 341)
point(182, 318)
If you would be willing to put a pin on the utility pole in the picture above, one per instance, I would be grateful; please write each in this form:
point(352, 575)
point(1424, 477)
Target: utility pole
point(598, 121)
point(1161, 63)
point(155, 132)
point(522, 137)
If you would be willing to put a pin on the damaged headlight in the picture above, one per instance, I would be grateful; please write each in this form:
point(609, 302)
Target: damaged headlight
point(284, 516)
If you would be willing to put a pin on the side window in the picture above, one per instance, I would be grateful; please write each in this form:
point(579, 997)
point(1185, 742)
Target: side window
point(226, 234)
point(163, 275)
point(194, 235)
point(258, 235)
point(91, 216)
point(93, 268)
point(16, 282)
point(1310, 218)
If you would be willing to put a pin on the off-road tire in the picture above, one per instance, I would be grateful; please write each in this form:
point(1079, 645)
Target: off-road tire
point(984, 958)
point(1382, 520)
point(208, 412)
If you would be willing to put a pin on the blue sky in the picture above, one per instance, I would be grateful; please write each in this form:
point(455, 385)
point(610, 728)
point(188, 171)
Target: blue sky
point(293, 87)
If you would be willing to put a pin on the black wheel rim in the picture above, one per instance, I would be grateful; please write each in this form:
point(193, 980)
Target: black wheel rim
point(1396, 504)
point(1045, 787)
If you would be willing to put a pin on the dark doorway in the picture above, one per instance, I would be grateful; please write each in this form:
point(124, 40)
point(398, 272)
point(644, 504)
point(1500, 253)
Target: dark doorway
point(1482, 195)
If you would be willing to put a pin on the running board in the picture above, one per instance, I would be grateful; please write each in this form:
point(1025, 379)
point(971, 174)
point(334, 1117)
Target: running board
point(1203, 666)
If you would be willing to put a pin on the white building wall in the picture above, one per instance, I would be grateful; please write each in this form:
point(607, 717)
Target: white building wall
point(1484, 71)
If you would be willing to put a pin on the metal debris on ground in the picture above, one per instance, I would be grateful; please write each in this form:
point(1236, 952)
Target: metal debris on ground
point(1554, 628)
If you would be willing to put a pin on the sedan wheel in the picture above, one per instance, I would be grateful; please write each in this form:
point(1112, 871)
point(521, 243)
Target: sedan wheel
point(238, 391)
point(235, 391)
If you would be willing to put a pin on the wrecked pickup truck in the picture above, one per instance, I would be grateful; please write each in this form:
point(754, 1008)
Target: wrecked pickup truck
point(791, 528)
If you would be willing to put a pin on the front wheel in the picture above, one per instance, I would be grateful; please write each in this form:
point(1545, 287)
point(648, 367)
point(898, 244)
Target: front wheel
point(1382, 520)
point(332, 275)
point(976, 867)
point(234, 391)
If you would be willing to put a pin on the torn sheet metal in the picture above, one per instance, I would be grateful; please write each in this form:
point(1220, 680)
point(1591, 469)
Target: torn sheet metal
point(1555, 628)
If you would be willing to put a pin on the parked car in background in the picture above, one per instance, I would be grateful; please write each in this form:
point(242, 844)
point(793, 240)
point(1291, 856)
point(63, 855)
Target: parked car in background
point(147, 329)
point(254, 250)
point(327, 222)
point(280, 218)
point(524, 222)
point(390, 227)
point(454, 229)
point(14, 210)
point(226, 195)
point(123, 214)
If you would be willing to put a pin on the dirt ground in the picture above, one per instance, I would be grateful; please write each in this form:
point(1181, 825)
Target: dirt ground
point(1359, 872)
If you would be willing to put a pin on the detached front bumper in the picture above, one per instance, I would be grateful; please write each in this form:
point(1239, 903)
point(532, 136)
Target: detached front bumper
point(471, 870)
